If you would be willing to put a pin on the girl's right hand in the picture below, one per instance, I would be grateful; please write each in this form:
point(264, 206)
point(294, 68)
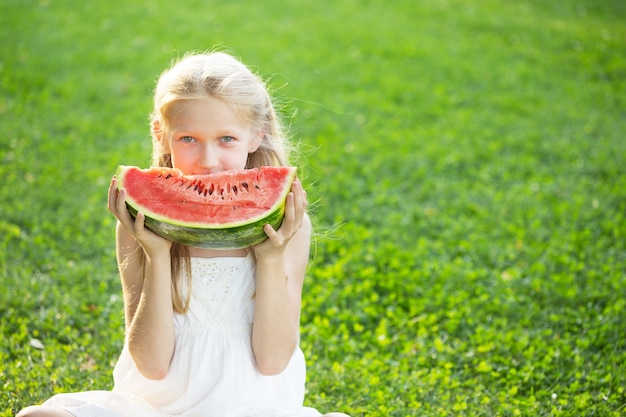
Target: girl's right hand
point(151, 243)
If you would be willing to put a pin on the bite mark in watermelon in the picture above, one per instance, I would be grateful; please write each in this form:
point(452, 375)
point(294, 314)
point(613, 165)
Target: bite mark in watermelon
point(226, 210)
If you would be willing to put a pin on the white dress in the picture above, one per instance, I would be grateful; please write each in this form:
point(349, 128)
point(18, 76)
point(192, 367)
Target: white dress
point(212, 373)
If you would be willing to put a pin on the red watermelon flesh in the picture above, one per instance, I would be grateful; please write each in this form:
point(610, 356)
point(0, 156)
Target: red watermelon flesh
point(225, 210)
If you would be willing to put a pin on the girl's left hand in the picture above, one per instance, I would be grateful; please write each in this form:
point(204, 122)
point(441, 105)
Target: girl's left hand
point(295, 209)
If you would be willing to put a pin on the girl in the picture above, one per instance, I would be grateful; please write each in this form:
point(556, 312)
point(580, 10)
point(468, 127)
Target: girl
point(208, 333)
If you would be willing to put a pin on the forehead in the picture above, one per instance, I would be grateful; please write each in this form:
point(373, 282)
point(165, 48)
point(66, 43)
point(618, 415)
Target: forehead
point(205, 111)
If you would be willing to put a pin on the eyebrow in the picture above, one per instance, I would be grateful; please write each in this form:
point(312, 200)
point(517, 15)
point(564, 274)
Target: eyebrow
point(185, 131)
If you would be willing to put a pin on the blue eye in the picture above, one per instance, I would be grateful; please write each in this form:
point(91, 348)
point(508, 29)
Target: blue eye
point(187, 139)
point(227, 139)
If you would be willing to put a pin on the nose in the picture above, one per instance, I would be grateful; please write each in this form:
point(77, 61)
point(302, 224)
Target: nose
point(209, 158)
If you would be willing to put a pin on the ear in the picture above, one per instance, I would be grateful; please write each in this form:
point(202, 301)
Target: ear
point(156, 128)
point(256, 141)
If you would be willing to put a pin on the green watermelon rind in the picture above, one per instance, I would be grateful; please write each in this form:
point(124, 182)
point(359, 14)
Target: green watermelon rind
point(236, 237)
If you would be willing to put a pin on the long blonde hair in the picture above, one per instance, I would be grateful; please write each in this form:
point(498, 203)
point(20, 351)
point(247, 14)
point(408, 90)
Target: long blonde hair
point(219, 75)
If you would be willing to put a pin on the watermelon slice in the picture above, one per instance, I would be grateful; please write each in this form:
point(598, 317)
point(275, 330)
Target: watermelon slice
point(226, 210)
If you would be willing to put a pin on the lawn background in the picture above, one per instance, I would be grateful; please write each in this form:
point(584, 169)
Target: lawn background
point(467, 160)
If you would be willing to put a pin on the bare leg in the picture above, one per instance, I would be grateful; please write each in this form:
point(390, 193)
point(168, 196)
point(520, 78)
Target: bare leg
point(40, 411)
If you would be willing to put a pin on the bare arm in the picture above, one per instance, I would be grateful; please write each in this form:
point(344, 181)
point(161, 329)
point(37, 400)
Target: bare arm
point(147, 290)
point(281, 266)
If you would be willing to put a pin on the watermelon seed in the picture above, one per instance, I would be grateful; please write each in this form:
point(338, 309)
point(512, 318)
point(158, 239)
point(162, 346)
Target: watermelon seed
point(168, 176)
point(191, 185)
point(245, 185)
point(235, 189)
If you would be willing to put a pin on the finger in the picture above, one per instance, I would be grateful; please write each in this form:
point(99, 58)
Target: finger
point(120, 204)
point(140, 220)
point(300, 204)
point(122, 213)
point(270, 232)
point(290, 212)
point(297, 218)
point(112, 196)
point(301, 201)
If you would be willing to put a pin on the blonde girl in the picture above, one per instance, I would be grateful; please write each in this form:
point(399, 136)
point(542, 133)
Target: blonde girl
point(208, 333)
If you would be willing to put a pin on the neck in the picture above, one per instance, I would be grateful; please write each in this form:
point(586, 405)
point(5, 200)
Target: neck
point(212, 253)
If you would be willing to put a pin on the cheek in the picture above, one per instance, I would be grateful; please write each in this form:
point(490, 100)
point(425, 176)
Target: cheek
point(238, 161)
point(175, 162)
point(235, 158)
point(180, 158)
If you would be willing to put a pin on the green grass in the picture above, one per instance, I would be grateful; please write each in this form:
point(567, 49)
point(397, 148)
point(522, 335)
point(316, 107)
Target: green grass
point(472, 154)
